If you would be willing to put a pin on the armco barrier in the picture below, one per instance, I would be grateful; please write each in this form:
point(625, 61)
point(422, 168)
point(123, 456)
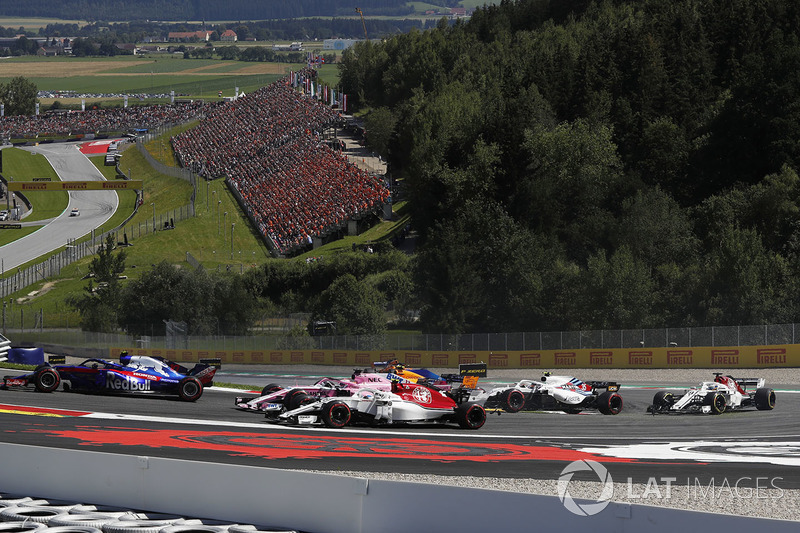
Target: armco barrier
point(320, 503)
point(781, 356)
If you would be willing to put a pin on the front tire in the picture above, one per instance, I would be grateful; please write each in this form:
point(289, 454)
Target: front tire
point(717, 403)
point(270, 388)
point(765, 399)
point(609, 403)
point(470, 416)
point(336, 414)
point(46, 379)
point(190, 389)
point(663, 399)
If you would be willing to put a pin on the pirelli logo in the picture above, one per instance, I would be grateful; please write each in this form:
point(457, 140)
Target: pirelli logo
point(441, 359)
point(724, 357)
point(276, 357)
point(466, 358)
point(414, 359)
point(362, 358)
point(771, 356)
point(530, 359)
point(39, 185)
point(565, 358)
point(639, 358)
point(339, 358)
point(601, 358)
point(680, 357)
point(498, 360)
point(317, 357)
point(297, 357)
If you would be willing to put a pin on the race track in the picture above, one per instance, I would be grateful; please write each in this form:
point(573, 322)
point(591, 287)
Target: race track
point(633, 444)
point(95, 207)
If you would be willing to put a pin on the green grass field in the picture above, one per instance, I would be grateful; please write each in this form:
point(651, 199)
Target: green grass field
point(22, 165)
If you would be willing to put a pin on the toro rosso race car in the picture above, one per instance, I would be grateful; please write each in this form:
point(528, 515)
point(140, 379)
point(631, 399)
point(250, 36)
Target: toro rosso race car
point(716, 397)
point(133, 375)
point(552, 393)
point(402, 403)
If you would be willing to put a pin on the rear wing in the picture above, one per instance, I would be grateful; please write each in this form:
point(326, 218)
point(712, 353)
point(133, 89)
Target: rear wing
point(610, 386)
point(469, 373)
point(745, 382)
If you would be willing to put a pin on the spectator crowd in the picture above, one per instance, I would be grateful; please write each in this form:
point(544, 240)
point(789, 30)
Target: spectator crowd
point(268, 145)
point(108, 120)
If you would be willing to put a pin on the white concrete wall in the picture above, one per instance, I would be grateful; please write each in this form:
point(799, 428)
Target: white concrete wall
point(322, 503)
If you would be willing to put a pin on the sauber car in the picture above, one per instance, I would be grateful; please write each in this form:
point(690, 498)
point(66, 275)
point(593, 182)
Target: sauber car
point(133, 374)
point(716, 397)
point(403, 403)
point(551, 393)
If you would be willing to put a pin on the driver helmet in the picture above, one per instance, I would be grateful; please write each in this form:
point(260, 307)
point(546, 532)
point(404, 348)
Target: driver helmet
point(124, 358)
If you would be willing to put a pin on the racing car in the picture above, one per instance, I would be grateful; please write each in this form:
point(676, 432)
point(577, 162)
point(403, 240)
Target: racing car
point(716, 397)
point(403, 403)
point(132, 375)
point(550, 393)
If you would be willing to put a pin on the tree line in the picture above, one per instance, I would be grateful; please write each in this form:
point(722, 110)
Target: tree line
point(579, 164)
point(181, 10)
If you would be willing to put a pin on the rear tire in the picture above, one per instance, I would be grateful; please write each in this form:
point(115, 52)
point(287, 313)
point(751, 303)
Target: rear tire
point(470, 416)
point(765, 399)
point(512, 401)
point(296, 398)
point(717, 403)
point(609, 403)
point(46, 379)
point(190, 389)
point(336, 414)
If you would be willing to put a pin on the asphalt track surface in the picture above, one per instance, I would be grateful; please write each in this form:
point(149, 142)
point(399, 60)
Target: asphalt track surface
point(95, 207)
point(745, 444)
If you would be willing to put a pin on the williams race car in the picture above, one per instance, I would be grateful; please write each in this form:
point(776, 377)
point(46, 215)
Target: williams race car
point(716, 397)
point(551, 393)
point(133, 375)
point(403, 403)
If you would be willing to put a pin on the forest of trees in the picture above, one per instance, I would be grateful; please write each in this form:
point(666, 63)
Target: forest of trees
point(182, 10)
point(576, 164)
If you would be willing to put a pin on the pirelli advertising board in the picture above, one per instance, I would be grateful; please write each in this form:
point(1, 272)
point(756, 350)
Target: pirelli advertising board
point(75, 185)
point(702, 357)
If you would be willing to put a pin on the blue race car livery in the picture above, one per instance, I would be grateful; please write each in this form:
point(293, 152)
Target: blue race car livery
point(133, 374)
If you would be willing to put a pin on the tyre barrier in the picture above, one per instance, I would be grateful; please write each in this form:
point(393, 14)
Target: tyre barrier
point(254, 529)
point(71, 529)
point(41, 515)
point(60, 505)
point(20, 527)
point(97, 520)
point(116, 512)
point(11, 500)
point(187, 527)
point(137, 526)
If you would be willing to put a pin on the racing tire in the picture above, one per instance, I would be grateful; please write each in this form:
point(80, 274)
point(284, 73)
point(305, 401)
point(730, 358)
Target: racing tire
point(336, 414)
point(46, 379)
point(20, 527)
point(764, 399)
point(188, 527)
point(40, 515)
point(717, 403)
point(663, 399)
point(190, 389)
point(97, 520)
point(470, 416)
point(512, 401)
point(270, 388)
point(72, 529)
point(295, 398)
point(609, 403)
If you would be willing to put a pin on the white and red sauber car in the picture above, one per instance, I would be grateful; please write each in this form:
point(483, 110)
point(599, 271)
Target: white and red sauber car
point(552, 393)
point(716, 397)
point(402, 403)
